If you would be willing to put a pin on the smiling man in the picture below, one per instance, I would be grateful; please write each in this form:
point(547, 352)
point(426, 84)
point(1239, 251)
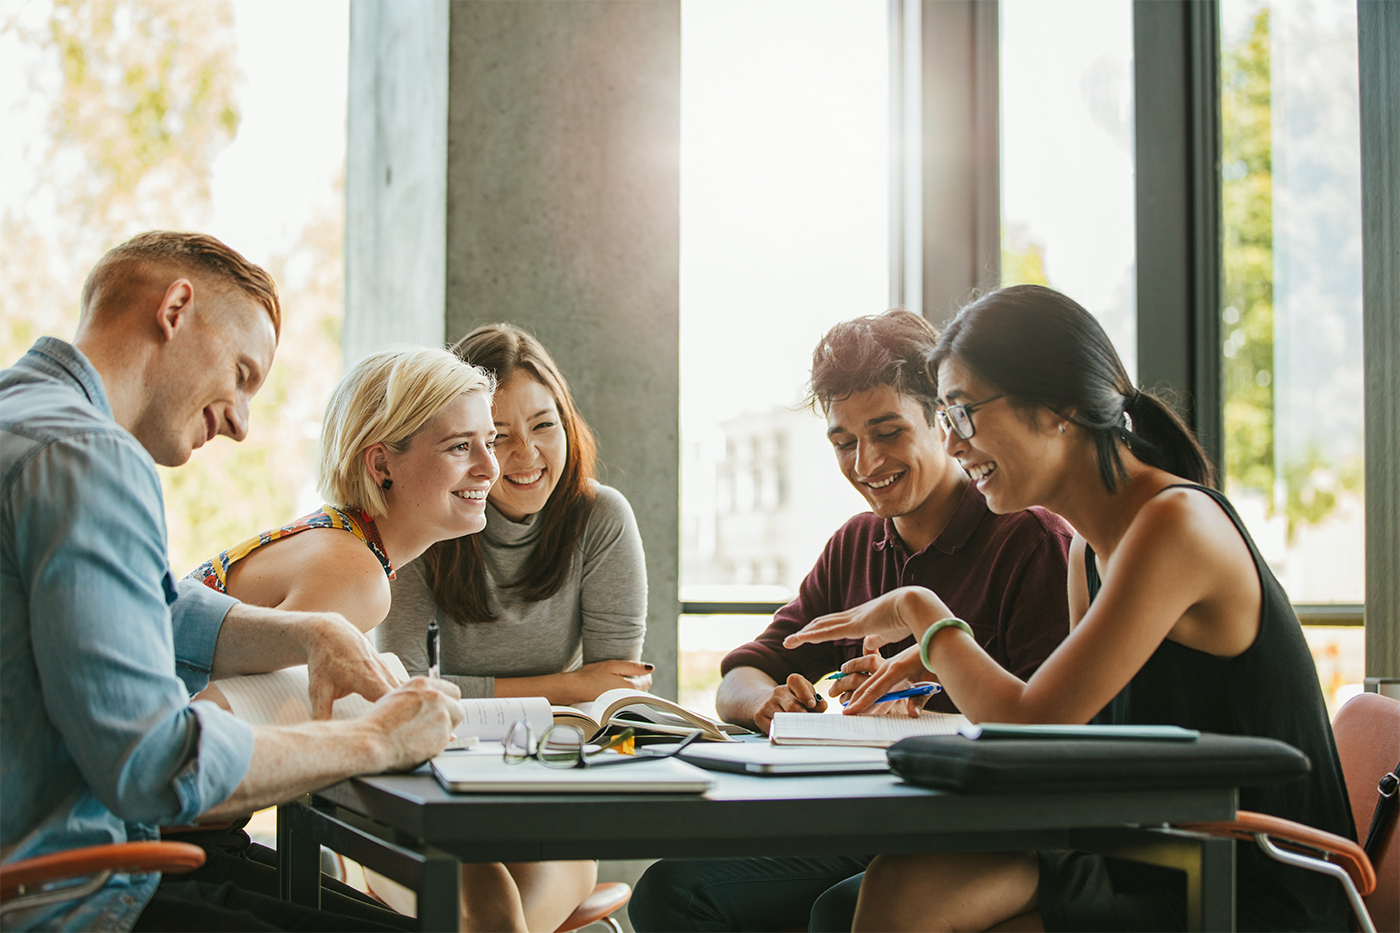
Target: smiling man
point(100, 650)
point(928, 525)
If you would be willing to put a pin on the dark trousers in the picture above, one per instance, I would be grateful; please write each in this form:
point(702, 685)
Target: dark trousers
point(236, 889)
point(750, 894)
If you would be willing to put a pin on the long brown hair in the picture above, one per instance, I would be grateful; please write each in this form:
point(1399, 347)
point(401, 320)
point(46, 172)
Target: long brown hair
point(455, 569)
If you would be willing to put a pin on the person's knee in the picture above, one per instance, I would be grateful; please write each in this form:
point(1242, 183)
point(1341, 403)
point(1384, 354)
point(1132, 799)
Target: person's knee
point(661, 898)
point(835, 910)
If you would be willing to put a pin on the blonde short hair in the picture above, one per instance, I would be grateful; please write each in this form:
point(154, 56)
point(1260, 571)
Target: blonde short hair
point(386, 398)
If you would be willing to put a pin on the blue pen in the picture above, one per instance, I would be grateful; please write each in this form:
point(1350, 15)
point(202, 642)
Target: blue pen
point(918, 690)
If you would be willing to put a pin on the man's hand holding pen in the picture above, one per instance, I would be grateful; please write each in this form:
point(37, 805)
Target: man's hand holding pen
point(795, 695)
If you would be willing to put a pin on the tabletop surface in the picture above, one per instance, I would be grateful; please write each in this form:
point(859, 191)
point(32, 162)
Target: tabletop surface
point(775, 815)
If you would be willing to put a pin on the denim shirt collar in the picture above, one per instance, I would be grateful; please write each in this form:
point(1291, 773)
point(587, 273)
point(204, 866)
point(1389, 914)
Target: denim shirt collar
point(66, 363)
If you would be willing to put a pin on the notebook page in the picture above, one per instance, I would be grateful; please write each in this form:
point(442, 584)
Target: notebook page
point(488, 718)
point(282, 698)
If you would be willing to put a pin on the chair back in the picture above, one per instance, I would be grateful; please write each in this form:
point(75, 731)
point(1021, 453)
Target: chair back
point(1367, 728)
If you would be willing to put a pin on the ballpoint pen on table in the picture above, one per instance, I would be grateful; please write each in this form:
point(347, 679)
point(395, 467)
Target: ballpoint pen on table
point(433, 645)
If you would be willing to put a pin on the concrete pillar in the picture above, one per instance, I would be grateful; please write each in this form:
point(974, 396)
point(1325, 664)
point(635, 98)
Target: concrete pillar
point(396, 176)
point(961, 182)
point(543, 140)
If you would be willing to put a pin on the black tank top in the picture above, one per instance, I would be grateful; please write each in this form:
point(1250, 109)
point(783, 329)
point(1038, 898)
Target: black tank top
point(1270, 689)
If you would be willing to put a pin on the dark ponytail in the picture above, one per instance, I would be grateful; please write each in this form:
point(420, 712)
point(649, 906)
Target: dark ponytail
point(1042, 349)
point(1160, 438)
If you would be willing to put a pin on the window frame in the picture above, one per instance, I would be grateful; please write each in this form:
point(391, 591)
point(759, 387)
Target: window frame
point(1176, 49)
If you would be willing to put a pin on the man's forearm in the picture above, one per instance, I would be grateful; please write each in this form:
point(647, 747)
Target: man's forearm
point(406, 727)
point(289, 761)
point(254, 640)
point(741, 693)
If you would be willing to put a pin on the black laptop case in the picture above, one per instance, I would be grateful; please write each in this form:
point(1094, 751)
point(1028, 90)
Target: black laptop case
point(1039, 766)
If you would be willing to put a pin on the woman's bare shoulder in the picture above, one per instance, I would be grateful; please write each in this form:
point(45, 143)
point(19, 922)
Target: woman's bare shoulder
point(318, 570)
point(1185, 513)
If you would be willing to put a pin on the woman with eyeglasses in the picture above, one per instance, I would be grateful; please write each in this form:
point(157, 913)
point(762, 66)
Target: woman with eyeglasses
point(1176, 619)
point(550, 599)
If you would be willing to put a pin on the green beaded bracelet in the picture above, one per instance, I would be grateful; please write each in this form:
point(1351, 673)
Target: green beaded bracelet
point(933, 630)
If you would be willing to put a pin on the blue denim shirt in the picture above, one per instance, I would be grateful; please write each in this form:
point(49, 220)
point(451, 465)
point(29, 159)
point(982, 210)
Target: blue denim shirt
point(99, 649)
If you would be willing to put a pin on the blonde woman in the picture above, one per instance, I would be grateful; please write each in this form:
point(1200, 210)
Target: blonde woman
point(551, 600)
point(406, 461)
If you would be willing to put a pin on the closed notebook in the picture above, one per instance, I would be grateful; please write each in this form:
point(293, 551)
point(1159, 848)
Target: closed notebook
point(871, 731)
point(483, 772)
point(769, 760)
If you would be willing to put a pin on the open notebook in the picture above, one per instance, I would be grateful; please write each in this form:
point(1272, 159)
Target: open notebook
point(280, 698)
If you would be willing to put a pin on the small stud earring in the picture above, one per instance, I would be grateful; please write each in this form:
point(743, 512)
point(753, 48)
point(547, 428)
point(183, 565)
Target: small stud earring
point(388, 482)
point(1062, 427)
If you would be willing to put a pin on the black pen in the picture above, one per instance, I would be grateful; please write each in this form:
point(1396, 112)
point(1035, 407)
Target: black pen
point(433, 645)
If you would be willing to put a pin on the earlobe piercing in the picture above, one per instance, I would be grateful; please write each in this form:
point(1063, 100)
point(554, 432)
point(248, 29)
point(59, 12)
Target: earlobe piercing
point(388, 482)
point(1062, 427)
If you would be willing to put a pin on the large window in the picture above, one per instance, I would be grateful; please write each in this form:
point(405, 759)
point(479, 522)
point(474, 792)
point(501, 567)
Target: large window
point(123, 117)
point(1291, 318)
point(139, 115)
point(784, 232)
point(1067, 156)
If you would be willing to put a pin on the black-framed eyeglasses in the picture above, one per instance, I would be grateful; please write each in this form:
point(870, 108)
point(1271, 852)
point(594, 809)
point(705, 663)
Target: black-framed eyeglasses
point(563, 746)
point(958, 418)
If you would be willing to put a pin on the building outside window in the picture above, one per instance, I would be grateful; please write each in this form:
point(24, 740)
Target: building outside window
point(784, 232)
point(1291, 311)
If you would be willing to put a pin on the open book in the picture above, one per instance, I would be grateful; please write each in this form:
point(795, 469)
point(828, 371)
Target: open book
point(874, 731)
point(282, 698)
point(643, 711)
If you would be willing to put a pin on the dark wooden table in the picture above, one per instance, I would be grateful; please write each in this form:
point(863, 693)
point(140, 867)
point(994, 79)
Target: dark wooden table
point(409, 829)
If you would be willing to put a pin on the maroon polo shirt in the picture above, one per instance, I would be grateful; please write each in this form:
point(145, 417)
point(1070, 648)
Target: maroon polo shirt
point(1003, 574)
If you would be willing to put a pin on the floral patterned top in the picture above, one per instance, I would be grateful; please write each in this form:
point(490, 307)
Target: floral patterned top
point(214, 573)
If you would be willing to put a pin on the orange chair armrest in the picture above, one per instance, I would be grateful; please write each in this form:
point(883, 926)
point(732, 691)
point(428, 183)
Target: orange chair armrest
point(1344, 852)
point(606, 898)
point(120, 856)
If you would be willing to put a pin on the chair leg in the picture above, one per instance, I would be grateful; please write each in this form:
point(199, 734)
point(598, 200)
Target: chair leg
point(1327, 868)
point(45, 896)
point(613, 924)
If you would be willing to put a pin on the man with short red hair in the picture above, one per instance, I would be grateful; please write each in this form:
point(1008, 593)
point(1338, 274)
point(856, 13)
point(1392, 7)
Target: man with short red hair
point(101, 650)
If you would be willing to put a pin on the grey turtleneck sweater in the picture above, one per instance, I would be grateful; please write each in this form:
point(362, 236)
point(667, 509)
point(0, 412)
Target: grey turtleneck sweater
point(599, 613)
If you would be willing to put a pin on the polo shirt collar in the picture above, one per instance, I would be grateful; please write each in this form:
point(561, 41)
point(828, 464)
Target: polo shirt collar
point(956, 533)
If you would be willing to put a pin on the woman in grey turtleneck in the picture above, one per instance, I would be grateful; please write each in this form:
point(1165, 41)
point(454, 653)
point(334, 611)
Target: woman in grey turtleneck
point(550, 600)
